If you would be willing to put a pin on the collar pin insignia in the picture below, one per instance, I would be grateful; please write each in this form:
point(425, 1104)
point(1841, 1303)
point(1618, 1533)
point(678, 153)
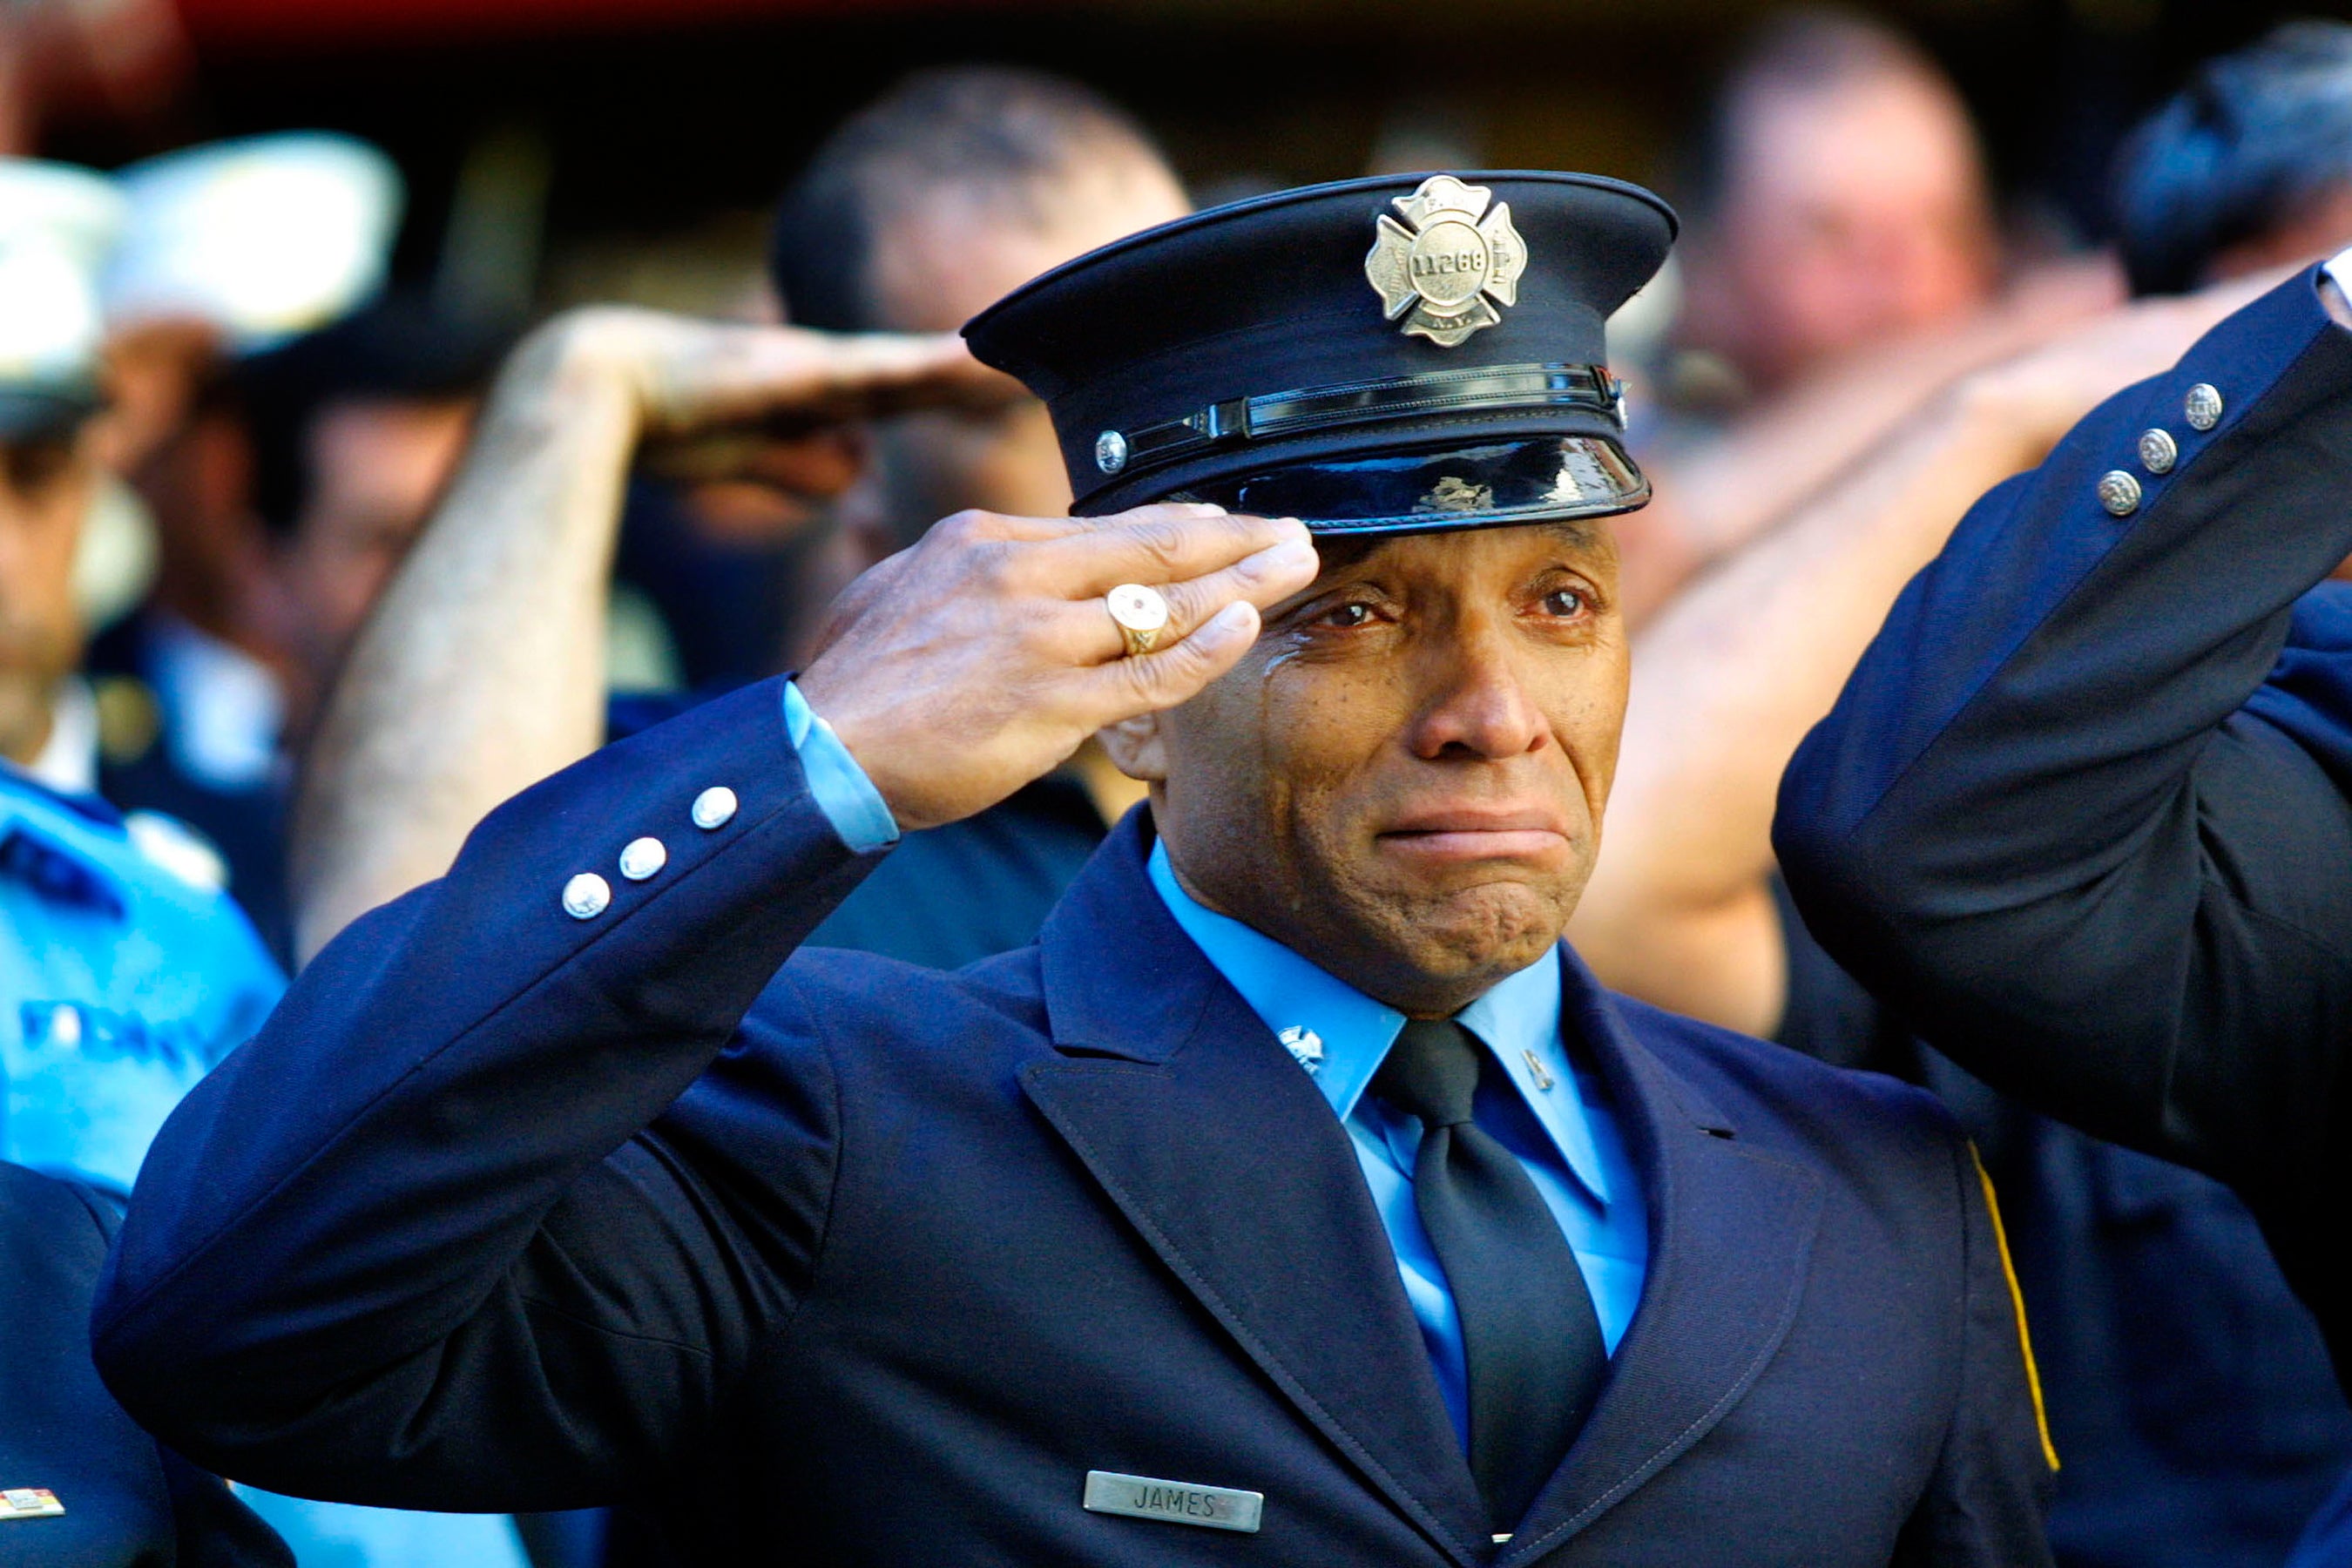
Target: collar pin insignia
point(1305, 1046)
point(1535, 1070)
point(29, 1502)
point(1446, 267)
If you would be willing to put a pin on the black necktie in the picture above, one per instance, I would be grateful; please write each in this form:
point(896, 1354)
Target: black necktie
point(1528, 1334)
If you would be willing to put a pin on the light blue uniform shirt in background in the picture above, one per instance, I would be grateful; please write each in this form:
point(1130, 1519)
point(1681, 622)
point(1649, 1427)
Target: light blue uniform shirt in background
point(1557, 1123)
point(121, 984)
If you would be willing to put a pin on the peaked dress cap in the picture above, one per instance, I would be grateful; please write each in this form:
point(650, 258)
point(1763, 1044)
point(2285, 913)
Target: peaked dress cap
point(1398, 353)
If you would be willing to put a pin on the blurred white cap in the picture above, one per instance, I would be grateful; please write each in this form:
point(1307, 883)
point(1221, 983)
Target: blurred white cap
point(57, 225)
point(263, 238)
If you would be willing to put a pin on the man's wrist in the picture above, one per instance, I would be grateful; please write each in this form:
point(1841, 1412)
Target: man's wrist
point(842, 789)
point(581, 369)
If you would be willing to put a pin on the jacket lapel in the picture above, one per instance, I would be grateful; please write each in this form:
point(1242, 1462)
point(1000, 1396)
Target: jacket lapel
point(1731, 1232)
point(1221, 1153)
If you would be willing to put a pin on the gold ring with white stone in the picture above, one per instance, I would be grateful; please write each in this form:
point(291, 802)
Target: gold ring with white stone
point(1140, 614)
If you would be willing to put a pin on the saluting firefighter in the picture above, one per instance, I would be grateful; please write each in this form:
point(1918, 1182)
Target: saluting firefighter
point(1298, 1197)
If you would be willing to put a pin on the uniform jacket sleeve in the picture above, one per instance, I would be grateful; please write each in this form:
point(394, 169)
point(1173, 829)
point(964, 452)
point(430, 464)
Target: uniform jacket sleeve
point(382, 1249)
point(2056, 820)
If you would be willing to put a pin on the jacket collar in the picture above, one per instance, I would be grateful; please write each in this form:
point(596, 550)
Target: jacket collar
point(1227, 1160)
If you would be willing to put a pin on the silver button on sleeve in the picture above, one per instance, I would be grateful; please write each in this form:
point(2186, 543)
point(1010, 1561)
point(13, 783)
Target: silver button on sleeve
point(2157, 451)
point(2119, 493)
point(714, 807)
point(587, 896)
point(2203, 407)
point(642, 857)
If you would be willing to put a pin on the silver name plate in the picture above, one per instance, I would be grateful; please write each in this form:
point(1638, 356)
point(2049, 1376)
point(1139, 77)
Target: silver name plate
point(1175, 1502)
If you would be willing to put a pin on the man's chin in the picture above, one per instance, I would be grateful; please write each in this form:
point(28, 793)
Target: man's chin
point(1475, 936)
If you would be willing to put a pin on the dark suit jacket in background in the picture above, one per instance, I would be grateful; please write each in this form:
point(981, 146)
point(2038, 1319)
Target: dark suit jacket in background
point(868, 1264)
point(128, 1502)
point(2081, 812)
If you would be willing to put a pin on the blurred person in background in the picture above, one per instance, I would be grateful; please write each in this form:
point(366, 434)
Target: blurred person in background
point(2189, 1389)
point(2248, 167)
point(948, 192)
point(1837, 198)
point(125, 972)
point(952, 190)
point(80, 1484)
point(231, 250)
point(1843, 265)
point(332, 448)
point(122, 979)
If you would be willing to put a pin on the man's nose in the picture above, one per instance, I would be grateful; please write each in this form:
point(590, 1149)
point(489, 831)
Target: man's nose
point(1479, 706)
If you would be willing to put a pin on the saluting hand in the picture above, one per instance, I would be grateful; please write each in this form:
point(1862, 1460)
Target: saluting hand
point(961, 669)
point(699, 400)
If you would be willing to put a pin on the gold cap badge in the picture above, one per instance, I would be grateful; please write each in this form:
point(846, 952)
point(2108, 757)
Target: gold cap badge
point(1445, 269)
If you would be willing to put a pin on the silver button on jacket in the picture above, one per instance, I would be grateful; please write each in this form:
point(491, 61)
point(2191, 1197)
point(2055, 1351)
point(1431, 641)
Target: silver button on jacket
point(587, 896)
point(714, 807)
point(642, 857)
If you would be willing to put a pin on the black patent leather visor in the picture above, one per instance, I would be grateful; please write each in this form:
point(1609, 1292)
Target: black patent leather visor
point(1440, 487)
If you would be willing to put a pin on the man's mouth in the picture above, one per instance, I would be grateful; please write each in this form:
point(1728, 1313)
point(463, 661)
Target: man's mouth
point(1458, 833)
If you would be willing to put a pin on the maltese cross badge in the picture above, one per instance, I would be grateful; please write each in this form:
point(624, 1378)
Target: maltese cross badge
point(1446, 267)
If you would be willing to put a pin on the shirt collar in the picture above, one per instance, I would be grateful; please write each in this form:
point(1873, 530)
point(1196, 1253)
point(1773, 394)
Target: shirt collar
point(1341, 1036)
point(67, 762)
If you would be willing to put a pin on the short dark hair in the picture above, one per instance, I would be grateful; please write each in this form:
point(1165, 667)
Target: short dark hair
point(2254, 135)
point(992, 128)
point(399, 350)
point(1810, 48)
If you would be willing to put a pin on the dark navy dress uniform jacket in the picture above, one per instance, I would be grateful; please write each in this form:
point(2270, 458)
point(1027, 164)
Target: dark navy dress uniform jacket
point(2082, 812)
point(129, 1501)
point(844, 1261)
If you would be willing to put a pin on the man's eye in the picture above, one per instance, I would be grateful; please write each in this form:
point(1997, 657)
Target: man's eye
point(1348, 616)
point(1564, 602)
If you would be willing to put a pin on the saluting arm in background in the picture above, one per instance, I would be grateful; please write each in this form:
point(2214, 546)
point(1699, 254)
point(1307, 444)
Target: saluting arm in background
point(2045, 820)
point(1730, 675)
point(482, 672)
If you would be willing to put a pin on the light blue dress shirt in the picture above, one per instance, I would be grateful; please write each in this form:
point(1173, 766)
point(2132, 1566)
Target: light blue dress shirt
point(1558, 1123)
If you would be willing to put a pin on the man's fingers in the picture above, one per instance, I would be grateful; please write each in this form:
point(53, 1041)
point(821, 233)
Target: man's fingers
point(702, 374)
point(1158, 545)
point(1167, 677)
point(881, 373)
point(1263, 579)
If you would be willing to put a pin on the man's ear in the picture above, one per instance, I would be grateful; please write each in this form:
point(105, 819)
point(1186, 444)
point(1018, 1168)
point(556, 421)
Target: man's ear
point(1138, 747)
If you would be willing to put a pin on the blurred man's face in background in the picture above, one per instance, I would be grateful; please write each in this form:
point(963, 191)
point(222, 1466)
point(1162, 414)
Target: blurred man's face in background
point(1851, 211)
point(46, 487)
point(376, 469)
point(939, 265)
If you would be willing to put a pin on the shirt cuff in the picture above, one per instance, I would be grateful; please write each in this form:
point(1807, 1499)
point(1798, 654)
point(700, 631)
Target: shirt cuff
point(2340, 267)
point(844, 793)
